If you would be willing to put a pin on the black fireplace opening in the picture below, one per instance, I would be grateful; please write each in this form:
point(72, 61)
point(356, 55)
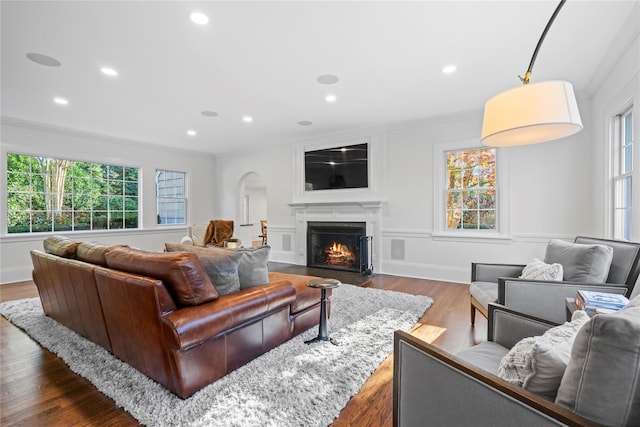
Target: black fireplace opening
point(337, 245)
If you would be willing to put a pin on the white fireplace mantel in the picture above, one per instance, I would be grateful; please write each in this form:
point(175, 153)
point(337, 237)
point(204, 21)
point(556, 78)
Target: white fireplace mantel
point(364, 204)
point(367, 211)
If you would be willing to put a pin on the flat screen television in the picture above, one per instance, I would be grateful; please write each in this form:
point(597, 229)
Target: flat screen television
point(337, 167)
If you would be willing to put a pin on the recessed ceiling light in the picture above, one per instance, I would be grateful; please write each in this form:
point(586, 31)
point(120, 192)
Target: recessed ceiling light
point(448, 69)
point(199, 18)
point(327, 79)
point(305, 123)
point(45, 60)
point(109, 71)
point(209, 113)
point(247, 119)
point(61, 101)
point(330, 98)
point(191, 132)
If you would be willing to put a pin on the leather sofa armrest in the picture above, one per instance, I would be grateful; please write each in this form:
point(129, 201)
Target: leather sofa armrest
point(507, 327)
point(433, 386)
point(546, 299)
point(189, 326)
point(486, 272)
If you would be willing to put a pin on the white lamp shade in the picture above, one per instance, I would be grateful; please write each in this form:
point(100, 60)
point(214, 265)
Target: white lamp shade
point(530, 114)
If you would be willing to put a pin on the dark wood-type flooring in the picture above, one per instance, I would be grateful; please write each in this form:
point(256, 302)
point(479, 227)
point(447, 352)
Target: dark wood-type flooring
point(37, 388)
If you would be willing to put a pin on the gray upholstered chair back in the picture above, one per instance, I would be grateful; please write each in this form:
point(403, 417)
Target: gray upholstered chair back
point(625, 265)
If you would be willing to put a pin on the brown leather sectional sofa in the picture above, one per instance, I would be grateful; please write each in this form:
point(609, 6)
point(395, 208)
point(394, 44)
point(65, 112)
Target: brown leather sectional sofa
point(160, 313)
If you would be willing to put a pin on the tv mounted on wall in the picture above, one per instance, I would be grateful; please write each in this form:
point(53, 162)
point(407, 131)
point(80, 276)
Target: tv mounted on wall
point(337, 167)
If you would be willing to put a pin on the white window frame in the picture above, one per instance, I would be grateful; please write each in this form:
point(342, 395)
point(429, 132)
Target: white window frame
point(159, 197)
point(618, 144)
point(440, 231)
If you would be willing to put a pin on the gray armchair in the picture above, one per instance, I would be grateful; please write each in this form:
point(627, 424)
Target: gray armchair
point(499, 283)
point(433, 387)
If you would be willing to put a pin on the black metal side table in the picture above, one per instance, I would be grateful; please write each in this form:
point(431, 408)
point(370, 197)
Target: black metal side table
point(323, 285)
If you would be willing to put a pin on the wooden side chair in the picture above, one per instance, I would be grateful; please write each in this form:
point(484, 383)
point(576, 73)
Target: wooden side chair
point(263, 230)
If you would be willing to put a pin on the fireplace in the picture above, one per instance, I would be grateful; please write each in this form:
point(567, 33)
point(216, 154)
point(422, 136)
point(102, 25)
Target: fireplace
point(337, 245)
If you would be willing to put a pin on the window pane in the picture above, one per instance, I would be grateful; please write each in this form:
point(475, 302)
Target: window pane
point(82, 220)
point(131, 203)
point(18, 202)
point(454, 217)
point(470, 219)
point(41, 221)
point(470, 199)
point(18, 222)
point(116, 221)
point(131, 220)
point(628, 159)
point(453, 200)
point(99, 220)
point(487, 199)
point(488, 220)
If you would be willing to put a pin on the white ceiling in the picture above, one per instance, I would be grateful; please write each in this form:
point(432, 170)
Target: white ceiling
point(263, 58)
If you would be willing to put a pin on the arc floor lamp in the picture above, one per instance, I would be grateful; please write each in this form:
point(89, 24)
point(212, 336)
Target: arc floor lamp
point(531, 113)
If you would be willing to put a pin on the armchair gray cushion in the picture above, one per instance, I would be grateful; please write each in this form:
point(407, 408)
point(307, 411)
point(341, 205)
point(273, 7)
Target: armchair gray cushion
point(602, 379)
point(588, 263)
point(537, 363)
point(484, 292)
point(486, 356)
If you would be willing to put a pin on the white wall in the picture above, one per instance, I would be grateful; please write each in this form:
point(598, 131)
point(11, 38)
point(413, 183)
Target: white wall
point(28, 138)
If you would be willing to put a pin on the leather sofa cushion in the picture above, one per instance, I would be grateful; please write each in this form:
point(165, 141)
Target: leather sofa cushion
point(60, 246)
point(94, 253)
point(181, 272)
point(189, 326)
point(305, 296)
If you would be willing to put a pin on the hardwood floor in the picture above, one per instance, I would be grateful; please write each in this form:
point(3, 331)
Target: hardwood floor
point(37, 388)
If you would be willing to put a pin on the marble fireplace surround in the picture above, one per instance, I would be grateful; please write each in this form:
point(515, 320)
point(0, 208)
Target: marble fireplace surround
point(368, 212)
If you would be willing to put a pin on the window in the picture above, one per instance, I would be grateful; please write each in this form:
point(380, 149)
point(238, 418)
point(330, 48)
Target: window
point(470, 192)
point(170, 197)
point(471, 189)
point(622, 174)
point(49, 194)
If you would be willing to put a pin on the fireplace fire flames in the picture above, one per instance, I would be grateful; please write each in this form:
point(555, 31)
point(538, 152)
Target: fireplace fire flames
point(336, 245)
point(339, 254)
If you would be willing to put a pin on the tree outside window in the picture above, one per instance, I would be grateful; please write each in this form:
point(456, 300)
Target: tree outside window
point(471, 189)
point(49, 194)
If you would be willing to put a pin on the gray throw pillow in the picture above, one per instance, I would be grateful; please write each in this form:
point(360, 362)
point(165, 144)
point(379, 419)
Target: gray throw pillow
point(538, 363)
point(221, 266)
point(253, 270)
point(602, 379)
point(580, 262)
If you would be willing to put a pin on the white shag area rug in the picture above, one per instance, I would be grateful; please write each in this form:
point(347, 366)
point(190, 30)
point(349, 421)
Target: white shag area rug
point(294, 384)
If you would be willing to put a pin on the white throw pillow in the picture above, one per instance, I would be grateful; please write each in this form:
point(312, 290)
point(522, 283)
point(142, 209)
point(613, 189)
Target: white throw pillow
point(538, 363)
point(539, 270)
